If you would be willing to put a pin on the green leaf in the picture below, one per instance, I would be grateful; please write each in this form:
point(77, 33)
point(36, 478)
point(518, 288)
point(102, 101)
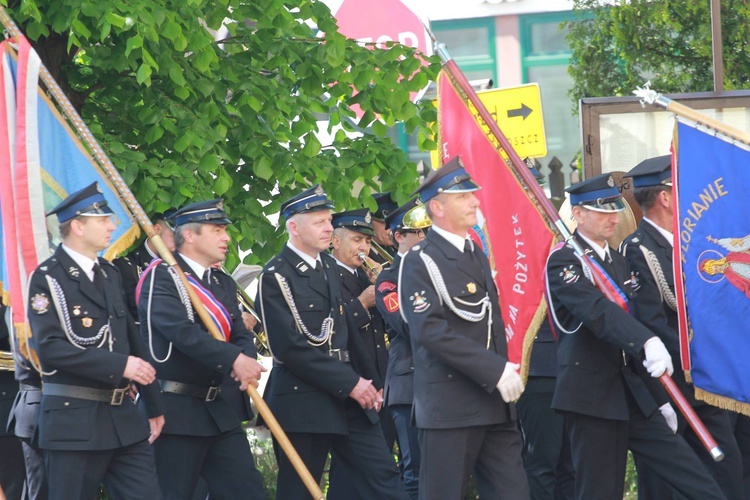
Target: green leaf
point(262, 168)
point(81, 29)
point(134, 42)
point(183, 142)
point(143, 76)
point(171, 31)
point(223, 183)
point(115, 19)
point(154, 134)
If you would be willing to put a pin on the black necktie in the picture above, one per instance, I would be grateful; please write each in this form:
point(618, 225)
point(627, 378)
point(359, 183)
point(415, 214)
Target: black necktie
point(206, 282)
point(318, 266)
point(98, 278)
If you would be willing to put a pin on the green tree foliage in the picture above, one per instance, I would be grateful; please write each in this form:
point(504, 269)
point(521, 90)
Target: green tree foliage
point(625, 43)
point(183, 119)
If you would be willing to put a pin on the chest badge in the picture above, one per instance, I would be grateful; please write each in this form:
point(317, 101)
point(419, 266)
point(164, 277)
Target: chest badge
point(471, 287)
point(40, 303)
point(76, 310)
point(419, 303)
point(87, 322)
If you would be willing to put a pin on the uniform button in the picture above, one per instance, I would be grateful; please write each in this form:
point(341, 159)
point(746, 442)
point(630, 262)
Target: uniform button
point(111, 377)
point(66, 404)
point(631, 344)
point(450, 375)
point(356, 314)
point(296, 388)
point(484, 385)
point(219, 366)
point(4, 393)
point(311, 306)
point(576, 363)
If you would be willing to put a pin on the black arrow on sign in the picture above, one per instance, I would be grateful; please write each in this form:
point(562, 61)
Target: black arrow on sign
point(524, 111)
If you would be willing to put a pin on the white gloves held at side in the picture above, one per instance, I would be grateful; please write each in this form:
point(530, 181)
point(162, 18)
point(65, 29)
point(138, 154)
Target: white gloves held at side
point(658, 359)
point(510, 384)
point(670, 416)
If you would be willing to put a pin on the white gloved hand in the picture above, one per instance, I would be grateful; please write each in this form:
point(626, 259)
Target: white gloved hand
point(670, 416)
point(510, 384)
point(658, 359)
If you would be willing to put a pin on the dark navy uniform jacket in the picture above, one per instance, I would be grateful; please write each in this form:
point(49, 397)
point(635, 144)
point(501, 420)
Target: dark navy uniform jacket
point(67, 423)
point(651, 309)
point(399, 381)
point(602, 361)
point(308, 390)
point(131, 267)
point(196, 358)
point(369, 322)
point(453, 362)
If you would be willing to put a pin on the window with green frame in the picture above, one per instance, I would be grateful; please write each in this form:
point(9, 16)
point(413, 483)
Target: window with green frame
point(544, 60)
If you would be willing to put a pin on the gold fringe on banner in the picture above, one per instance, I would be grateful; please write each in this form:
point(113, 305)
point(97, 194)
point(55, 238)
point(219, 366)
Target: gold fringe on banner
point(722, 402)
point(123, 242)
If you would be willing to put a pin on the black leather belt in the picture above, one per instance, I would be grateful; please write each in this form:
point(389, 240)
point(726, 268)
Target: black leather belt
point(114, 397)
point(29, 387)
point(340, 354)
point(196, 391)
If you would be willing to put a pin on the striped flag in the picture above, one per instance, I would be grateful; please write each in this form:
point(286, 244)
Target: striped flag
point(512, 231)
point(41, 162)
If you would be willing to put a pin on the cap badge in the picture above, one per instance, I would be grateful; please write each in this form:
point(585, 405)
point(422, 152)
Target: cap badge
point(368, 218)
point(40, 303)
point(471, 287)
point(610, 181)
point(220, 205)
point(99, 189)
point(319, 190)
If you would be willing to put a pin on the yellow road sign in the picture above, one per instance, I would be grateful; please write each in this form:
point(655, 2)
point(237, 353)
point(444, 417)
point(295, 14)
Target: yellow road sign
point(518, 113)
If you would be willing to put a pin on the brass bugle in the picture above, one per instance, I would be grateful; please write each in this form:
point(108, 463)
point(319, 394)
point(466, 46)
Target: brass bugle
point(381, 251)
point(6, 362)
point(261, 341)
point(368, 266)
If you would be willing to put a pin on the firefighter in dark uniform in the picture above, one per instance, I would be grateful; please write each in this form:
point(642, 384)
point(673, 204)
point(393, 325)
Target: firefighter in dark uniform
point(351, 242)
point(408, 224)
point(22, 423)
point(601, 387)
point(464, 385)
point(133, 264)
point(203, 436)
point(12, 472)
point(323, 388)
point(382, 234)
point(91, 355)
point(649, 252)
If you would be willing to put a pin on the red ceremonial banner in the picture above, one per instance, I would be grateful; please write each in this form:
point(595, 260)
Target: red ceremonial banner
point(513, 233)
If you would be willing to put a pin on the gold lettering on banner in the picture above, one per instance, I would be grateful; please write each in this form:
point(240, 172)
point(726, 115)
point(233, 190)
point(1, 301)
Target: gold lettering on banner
point(696, 209)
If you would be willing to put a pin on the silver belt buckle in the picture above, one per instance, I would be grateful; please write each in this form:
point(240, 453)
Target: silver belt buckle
point(335, 353)
point(118, 395)
point(212, 393)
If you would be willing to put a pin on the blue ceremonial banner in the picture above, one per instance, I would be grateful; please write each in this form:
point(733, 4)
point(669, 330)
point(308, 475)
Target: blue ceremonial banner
point(712, 190)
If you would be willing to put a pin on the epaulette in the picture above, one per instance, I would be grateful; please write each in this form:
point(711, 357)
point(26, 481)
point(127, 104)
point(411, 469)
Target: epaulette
point(48, 264)
point(273, 264)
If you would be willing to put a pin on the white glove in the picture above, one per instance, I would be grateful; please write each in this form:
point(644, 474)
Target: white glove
point(510, 384)
point(670, 416)
point(658, 359)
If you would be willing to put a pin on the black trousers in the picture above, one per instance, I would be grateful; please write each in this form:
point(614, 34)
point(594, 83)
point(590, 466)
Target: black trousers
point(224, 461)
point(36, 476)
point(363, 453)
point(491, 452)
point(127, 473)
point(727, 472)
point(600, 447)
point(546, 447)
point(12, 469)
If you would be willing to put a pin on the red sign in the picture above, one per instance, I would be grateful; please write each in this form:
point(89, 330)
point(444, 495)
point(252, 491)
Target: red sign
point(380, 22)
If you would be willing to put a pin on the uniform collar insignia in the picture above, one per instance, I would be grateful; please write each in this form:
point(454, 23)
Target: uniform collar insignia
point(74, 271)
